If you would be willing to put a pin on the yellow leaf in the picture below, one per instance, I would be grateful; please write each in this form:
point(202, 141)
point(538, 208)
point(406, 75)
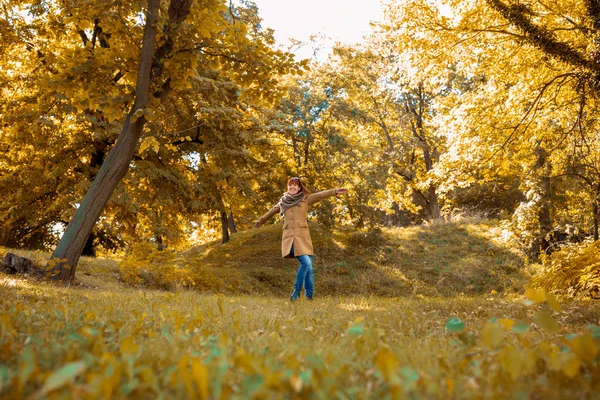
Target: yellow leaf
point(545, 321)
point(511, 361)
point(200, 376)
point(296, 383)
point(553, 303)
point(585, 347)
point(537, 295)
point(517, 362)
point(147, 376)
point(493, 335)
point(128, 347)
point(184, 375)
point(246, 362)
point(507, 323)
point(148, 142)
point(387, 363)
point(449, 387)
point(87, 332)
point(570, 364)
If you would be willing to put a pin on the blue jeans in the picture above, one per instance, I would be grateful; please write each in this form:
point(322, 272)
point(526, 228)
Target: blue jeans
point(304, 277)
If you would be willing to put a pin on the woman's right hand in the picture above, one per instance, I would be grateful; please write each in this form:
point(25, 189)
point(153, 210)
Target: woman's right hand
point(257, 224)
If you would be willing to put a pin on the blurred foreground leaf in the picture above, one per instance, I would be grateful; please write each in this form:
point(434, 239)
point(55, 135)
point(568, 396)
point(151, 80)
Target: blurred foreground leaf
point(63, 376)
point(455, 325)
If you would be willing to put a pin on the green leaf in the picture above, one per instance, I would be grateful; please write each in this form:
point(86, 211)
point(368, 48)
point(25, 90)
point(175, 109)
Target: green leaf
point(410, 377)
point(455, 325)
point(520, 327)
point(26, 365)
point(594, 330)
point(64, 375)
point(356, 329)
point(306, 375)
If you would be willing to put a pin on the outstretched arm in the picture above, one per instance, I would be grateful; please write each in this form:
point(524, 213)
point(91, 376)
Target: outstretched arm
point(266, 217)
point(318, 196)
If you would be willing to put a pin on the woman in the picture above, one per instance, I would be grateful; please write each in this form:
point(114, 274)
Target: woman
point(296, 242)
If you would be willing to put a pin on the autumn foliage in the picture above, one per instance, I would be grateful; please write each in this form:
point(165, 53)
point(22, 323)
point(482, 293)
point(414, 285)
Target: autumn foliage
point(462, 264)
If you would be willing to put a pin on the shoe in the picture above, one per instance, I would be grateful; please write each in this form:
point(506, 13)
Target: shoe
point(295, 296)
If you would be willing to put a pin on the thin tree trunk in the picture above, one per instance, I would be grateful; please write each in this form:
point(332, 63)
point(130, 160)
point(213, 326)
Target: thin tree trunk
point(434, 205)
point(115, 166)
point(297, 155)
point(160, 245)
point(544, 216)
point(596, 220)
point(542, 169)
point(224, 228)
point(306, 150)
point(418, 131)
point(231, 223)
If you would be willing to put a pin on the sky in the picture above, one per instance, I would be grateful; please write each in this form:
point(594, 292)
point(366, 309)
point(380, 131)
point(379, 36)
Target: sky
point(346, 21)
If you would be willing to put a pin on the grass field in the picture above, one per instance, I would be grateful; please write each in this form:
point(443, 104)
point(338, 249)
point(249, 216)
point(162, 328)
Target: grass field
point(418, 339)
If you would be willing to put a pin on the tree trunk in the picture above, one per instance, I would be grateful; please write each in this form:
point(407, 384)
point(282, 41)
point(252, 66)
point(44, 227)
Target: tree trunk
point(545, 219)
point(115, 166)
point(160, 245)
point(306, 150)
point(419, 133)
point(297, 155)
point(434, 205)
point(542, 170)
point(224, 228)
point(231, 223)
point(596, 219)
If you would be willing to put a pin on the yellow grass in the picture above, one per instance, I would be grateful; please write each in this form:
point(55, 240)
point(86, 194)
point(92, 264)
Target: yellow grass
point(102, 339)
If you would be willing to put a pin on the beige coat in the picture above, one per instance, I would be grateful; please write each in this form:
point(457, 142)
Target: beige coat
point(295, 227)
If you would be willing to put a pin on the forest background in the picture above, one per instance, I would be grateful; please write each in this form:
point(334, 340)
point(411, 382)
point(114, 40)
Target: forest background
point(153, 134)
point(484, 108)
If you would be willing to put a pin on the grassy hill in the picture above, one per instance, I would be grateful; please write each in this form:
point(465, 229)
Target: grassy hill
point(442, 259)
point(435, 260)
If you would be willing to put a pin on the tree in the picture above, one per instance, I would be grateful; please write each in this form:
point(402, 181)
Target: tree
point(115, 166)
point(532, 79)
point(227, 40)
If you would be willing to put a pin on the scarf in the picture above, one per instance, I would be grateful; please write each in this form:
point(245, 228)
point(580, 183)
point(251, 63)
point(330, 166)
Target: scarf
point(288, 201)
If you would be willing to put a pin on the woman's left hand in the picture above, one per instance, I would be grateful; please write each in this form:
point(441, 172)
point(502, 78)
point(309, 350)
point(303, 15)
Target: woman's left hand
point(341, 191)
